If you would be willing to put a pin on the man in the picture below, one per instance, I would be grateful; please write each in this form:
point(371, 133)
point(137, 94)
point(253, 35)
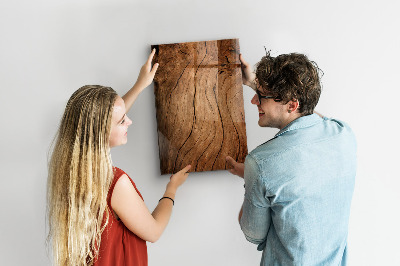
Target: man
point(299, 184)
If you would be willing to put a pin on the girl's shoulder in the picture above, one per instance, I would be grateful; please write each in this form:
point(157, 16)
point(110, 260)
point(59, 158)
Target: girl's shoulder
point(118, 172)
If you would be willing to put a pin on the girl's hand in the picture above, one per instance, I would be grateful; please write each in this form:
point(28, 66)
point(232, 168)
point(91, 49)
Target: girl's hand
point(179, 178)
point(145, 78)
point(146, 74)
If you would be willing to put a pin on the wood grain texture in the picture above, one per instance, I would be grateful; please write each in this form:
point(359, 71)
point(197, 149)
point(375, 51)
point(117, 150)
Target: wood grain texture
point(199, 101)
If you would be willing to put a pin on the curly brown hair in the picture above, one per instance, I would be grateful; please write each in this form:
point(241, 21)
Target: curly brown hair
point(290, 77)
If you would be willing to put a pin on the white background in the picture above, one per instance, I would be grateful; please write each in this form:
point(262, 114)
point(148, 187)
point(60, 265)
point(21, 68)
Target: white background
point(48, 49)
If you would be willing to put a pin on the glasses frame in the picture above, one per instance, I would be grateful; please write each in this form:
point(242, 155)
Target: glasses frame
point(276, 99)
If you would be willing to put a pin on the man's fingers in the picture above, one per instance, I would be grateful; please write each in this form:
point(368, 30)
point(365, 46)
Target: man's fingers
point(231, 161)
point(244, 63)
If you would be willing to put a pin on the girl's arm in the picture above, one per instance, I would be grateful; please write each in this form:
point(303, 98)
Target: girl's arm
point(131, 209)
point(145, 78)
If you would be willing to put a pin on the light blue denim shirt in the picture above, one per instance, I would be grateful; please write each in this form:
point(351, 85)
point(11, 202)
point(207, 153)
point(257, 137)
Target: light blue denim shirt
point(298, 190)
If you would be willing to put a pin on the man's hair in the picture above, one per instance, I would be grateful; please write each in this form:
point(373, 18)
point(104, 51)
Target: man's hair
point(290, 77)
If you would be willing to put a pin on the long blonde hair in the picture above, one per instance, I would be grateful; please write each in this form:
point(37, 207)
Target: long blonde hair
point(80, 174)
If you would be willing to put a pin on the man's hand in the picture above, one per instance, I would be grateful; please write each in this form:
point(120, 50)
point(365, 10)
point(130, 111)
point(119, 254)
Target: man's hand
point(237, 168)
point(248, 75)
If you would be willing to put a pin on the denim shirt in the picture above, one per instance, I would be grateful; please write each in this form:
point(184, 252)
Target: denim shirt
point(298, 191)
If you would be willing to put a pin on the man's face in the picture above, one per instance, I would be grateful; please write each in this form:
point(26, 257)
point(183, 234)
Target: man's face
point(270, 113)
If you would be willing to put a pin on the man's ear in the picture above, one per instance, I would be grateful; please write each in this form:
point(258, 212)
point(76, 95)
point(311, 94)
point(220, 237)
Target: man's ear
point(293, 105)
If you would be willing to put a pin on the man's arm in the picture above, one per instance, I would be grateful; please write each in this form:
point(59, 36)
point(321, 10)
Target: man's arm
point(254, 216)
point(318, 114)
point(236, 168)
point(240, 213)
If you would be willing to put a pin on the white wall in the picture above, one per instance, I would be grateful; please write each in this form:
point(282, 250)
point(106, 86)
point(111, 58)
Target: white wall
point(49, 49)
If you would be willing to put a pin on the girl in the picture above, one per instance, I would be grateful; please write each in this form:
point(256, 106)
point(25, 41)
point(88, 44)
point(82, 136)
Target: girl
point(96, 214)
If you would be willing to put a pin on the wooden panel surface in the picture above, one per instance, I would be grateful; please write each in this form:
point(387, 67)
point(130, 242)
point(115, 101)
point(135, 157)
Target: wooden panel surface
point(199, 101)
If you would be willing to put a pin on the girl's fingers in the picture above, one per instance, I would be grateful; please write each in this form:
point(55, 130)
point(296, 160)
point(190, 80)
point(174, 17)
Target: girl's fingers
point(187, 168)
point(154, 70)
point(151, 56)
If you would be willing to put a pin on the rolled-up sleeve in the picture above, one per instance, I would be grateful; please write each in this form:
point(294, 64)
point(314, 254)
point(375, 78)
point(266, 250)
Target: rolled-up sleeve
point(256, 217)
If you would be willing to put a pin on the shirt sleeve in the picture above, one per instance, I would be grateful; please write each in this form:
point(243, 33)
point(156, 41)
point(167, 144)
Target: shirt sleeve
point(256, 217)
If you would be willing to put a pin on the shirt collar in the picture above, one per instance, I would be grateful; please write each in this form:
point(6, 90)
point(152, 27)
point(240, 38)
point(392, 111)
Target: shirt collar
point(301, 122)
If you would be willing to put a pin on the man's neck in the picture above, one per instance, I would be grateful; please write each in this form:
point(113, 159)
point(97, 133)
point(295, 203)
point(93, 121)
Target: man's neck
point(290, 119)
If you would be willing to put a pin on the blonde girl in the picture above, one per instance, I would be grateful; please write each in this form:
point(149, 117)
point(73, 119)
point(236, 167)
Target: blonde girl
point(96, 214)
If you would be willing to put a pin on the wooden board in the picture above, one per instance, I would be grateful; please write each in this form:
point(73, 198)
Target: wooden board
point(199, 101)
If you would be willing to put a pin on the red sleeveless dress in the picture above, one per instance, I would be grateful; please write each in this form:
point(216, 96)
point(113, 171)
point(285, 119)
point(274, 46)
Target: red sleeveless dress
point(119, 246)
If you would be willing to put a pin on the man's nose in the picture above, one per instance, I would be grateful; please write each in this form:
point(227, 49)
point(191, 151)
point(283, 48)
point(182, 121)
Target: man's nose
point(254, 100)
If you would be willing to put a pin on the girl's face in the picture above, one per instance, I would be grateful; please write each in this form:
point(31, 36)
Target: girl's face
point(119, 124)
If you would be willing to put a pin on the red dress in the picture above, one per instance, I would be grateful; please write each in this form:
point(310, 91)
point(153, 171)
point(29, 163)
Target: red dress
point(119, 246)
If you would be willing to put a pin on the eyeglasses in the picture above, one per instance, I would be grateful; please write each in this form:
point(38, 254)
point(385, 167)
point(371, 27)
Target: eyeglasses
point(276, 99)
